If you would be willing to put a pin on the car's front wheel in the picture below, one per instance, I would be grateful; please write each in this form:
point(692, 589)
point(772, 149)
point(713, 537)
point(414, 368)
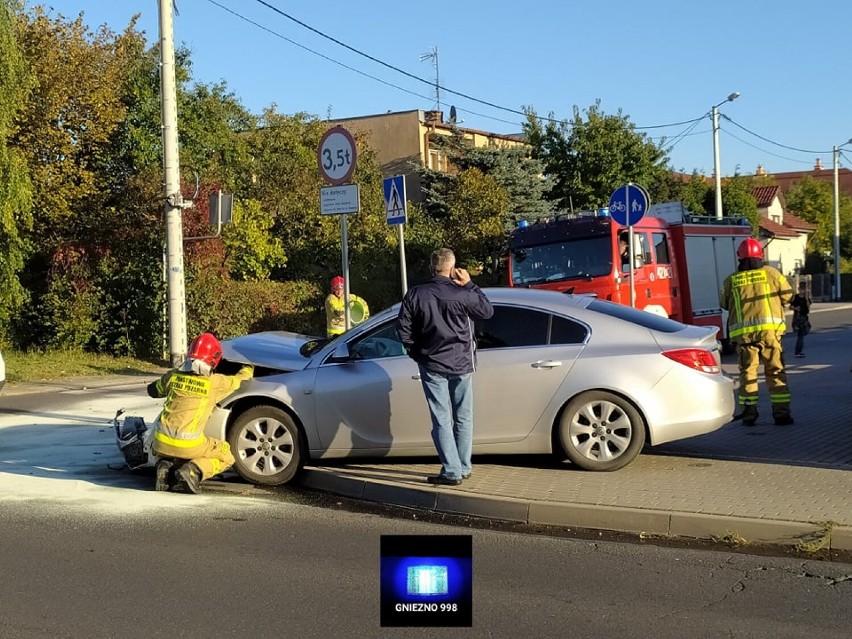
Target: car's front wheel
point(266, 446)
point(599, 430)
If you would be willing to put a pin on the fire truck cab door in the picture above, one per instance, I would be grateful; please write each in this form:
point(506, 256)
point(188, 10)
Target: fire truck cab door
point(651, 281)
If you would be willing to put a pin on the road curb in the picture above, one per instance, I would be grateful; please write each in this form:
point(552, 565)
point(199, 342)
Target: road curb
point(642, 521)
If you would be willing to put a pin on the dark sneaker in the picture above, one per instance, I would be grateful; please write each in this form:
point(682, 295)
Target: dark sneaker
point(163, 469)
point(784, 420)
point(443, 480)
point(800, 354)
point(466, 476)
point(749, 422)
point(188, 479)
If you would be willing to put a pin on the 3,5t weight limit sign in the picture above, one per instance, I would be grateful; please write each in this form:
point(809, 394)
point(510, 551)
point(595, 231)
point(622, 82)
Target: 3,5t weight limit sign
point(336, 155)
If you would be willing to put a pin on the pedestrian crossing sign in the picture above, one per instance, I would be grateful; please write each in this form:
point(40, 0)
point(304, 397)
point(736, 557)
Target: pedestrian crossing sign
point(394, 188)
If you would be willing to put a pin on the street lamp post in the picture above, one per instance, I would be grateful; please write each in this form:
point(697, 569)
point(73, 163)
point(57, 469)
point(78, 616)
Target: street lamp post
point(715, 111)
point(835, 155)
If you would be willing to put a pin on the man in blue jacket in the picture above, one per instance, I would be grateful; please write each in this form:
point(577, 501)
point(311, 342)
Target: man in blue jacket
point(435, 326)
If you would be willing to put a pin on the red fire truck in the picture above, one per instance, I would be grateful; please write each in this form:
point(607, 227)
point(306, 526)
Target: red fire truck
point(680, 260)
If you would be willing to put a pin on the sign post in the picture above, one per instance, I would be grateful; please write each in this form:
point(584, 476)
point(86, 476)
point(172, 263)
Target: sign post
point(395, 212)
point(627, 205)
point(336, 157)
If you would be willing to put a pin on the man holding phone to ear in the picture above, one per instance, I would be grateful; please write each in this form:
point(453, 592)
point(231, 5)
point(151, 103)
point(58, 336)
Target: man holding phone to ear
point(435, 324)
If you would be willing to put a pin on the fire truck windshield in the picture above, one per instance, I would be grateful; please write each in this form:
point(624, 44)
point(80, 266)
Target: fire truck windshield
point(584, 257)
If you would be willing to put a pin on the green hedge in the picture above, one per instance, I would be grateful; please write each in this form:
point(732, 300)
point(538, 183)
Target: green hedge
point(229, 308)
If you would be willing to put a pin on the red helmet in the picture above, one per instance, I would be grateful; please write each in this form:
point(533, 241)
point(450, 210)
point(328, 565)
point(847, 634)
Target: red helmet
point(337, 282)
point(750, 247)
point(206, 348)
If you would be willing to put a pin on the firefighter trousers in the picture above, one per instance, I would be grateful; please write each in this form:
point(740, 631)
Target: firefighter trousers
point(212, 457)
point(764, 348)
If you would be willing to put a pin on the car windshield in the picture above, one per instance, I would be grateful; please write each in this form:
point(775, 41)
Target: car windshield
point(309, 348)
point(586, 257)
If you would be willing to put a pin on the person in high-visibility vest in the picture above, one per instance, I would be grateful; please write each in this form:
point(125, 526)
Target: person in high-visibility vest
point(335, 310)
point(755, 297)
point(191, 392)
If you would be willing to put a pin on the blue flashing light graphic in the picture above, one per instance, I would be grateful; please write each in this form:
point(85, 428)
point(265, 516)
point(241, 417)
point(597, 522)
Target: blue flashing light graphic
point(427, 580)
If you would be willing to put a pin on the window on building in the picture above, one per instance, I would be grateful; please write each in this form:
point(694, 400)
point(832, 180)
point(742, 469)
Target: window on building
point(437, 160)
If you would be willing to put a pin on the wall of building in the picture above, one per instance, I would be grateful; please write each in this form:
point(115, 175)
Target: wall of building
point(786, 254)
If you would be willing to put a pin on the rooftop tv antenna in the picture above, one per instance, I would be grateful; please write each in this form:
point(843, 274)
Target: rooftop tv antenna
point(433, 55)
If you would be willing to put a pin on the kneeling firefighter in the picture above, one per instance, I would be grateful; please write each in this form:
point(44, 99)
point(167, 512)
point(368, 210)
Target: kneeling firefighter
point(191, 392)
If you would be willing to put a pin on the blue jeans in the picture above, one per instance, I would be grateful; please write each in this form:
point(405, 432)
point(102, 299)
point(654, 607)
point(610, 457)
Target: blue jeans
point(450, 400)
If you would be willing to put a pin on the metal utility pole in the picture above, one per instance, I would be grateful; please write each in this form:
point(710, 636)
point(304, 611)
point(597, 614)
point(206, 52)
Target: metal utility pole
point(836, 153)
point(173, 198)
point(716, 163)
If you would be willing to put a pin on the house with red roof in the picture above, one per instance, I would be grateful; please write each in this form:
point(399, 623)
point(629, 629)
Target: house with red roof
point(784, 235)
point(820, 173)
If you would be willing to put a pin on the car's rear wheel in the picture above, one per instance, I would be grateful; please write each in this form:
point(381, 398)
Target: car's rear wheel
point(601, 431)
point(266, 445)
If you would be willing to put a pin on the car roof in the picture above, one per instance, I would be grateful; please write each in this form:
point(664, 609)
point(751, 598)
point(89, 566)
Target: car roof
point(544, 299)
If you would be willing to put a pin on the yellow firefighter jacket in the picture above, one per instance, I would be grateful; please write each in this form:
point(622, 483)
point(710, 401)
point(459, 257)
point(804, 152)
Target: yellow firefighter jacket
point(335, 316)
point(755, 302)
point(190, 400)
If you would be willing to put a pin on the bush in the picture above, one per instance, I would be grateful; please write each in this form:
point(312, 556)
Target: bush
point(229, 308)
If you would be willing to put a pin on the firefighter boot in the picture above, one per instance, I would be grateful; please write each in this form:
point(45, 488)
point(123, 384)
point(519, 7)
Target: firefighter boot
point(165, 476)
point(781, 413)
point(188, 479)
point(748, 415)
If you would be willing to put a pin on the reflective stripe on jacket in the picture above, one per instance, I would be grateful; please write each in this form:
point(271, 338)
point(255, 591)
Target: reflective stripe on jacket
point(755, 301)
point(190, 400)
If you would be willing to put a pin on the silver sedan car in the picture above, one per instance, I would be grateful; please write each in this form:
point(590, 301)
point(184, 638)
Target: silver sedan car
point(580, 377)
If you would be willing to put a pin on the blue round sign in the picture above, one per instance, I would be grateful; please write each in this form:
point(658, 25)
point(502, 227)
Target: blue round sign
point(628, 204)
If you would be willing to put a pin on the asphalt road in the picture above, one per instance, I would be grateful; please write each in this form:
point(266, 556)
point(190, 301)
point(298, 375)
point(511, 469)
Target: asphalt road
point(264, 567)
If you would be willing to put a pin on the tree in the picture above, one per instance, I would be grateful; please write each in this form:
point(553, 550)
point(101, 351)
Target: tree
point(813, 201)
point(15, 188)
point(73, 110)
point(286, 181)
point(594, 153)
point(694, 192)
point(512, 168)
point(251, 251)
point(738, 201)
point(477, 208)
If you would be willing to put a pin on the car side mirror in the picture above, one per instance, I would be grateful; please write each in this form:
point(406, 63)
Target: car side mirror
point(341, 353)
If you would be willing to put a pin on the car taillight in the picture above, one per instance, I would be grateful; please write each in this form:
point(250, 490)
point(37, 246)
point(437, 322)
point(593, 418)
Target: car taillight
point(695, 358)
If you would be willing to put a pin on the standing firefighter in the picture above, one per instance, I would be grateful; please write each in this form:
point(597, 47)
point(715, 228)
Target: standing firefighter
point(335, 309)
point(191, 393)
point(755, 297)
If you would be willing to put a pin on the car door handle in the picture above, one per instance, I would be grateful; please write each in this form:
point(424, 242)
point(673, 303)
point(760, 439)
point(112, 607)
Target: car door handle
point(417, 376)
point(546, 363)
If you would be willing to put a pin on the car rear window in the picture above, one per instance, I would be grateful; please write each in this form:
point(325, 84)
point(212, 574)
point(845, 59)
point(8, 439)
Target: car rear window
point(635, 316)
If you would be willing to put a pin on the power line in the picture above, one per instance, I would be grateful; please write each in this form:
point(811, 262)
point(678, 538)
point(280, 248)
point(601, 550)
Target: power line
point(677, 138)
point(382, 62)
point(309, 50)
point(682, 135)
point(427, 82)
point(783, 146)
point(764, 150)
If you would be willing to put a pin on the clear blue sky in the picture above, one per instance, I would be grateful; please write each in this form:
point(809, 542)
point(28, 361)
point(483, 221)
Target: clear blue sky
point(660, 62)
